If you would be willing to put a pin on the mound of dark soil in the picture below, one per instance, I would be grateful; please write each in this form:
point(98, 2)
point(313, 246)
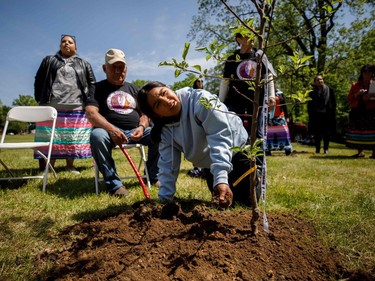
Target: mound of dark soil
point(173, 243)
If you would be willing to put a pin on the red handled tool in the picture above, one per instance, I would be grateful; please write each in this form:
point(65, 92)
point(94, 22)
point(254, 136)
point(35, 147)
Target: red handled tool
point(140, 179)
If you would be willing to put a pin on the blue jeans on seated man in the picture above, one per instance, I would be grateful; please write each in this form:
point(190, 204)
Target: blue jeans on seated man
point(101, 149)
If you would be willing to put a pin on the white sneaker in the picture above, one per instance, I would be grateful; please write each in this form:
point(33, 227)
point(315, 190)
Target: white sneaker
point(73, 170)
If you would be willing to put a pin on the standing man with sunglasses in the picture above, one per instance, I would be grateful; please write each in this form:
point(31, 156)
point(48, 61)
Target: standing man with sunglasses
point(64, 81)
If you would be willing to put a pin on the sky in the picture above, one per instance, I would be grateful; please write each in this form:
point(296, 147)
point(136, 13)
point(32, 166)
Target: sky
point(148, 31)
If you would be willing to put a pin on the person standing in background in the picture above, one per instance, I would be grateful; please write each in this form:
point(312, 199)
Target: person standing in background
point(198, 84)
point(234, 90)
point(279, 113)
point(64, 81)
point(361, 131)
point(236, 93)
point(322, 113)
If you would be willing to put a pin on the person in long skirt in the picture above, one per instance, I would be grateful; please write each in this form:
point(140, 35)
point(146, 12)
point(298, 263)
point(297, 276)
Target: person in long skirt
point(64, 81)
point(361, 132)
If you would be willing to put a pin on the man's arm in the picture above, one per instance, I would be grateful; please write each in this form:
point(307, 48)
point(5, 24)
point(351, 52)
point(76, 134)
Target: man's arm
point(144, 122)
point(97, 120)
point(223, 90)
point(271, 90)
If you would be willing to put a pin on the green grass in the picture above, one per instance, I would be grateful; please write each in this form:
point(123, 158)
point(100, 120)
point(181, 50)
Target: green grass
point(333, 191)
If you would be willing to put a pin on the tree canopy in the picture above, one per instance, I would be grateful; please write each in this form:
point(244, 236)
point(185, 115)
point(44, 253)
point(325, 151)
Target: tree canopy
point(25, 100)
point(337, 42)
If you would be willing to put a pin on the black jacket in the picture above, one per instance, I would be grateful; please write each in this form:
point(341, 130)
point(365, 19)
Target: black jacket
point(322, 110)
point(46, 74)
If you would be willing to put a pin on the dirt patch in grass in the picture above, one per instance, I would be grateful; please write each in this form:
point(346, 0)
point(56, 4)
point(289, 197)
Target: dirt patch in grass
point(186, 242)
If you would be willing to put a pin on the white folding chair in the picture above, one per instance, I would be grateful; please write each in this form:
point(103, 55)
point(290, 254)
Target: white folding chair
point(143, 159)
point(29, 114)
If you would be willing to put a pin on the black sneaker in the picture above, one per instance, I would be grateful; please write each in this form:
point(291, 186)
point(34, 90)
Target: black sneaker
point(196, 173)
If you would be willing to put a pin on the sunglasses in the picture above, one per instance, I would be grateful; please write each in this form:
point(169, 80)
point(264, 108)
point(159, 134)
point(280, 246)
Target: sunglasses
point(71, 36)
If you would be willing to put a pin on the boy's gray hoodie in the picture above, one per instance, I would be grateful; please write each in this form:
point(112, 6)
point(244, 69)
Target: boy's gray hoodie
point(204, 135)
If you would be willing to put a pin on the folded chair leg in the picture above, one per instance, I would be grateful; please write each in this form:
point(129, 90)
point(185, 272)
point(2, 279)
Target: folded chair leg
point(144, 160)
point(49, 163)
point(6, 168)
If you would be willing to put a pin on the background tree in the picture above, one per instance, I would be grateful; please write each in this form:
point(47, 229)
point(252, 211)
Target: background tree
point(4, 111)
point(21, 127)
point(308, 27)
point(139, 83)
point(187, 82)
point(25, 100)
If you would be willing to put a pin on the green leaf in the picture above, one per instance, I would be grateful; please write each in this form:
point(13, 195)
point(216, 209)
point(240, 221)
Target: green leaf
point(186, 50)
point(177, 73)
point(237, 149)
point(197, 67)
point(165, 63)
point(304, 59)
point(201, 49)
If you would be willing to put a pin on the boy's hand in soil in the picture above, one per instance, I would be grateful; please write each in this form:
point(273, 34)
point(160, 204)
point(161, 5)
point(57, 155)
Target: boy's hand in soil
point(222, 195)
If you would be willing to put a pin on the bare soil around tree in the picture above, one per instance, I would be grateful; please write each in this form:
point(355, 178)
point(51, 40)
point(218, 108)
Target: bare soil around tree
point(188, 241)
